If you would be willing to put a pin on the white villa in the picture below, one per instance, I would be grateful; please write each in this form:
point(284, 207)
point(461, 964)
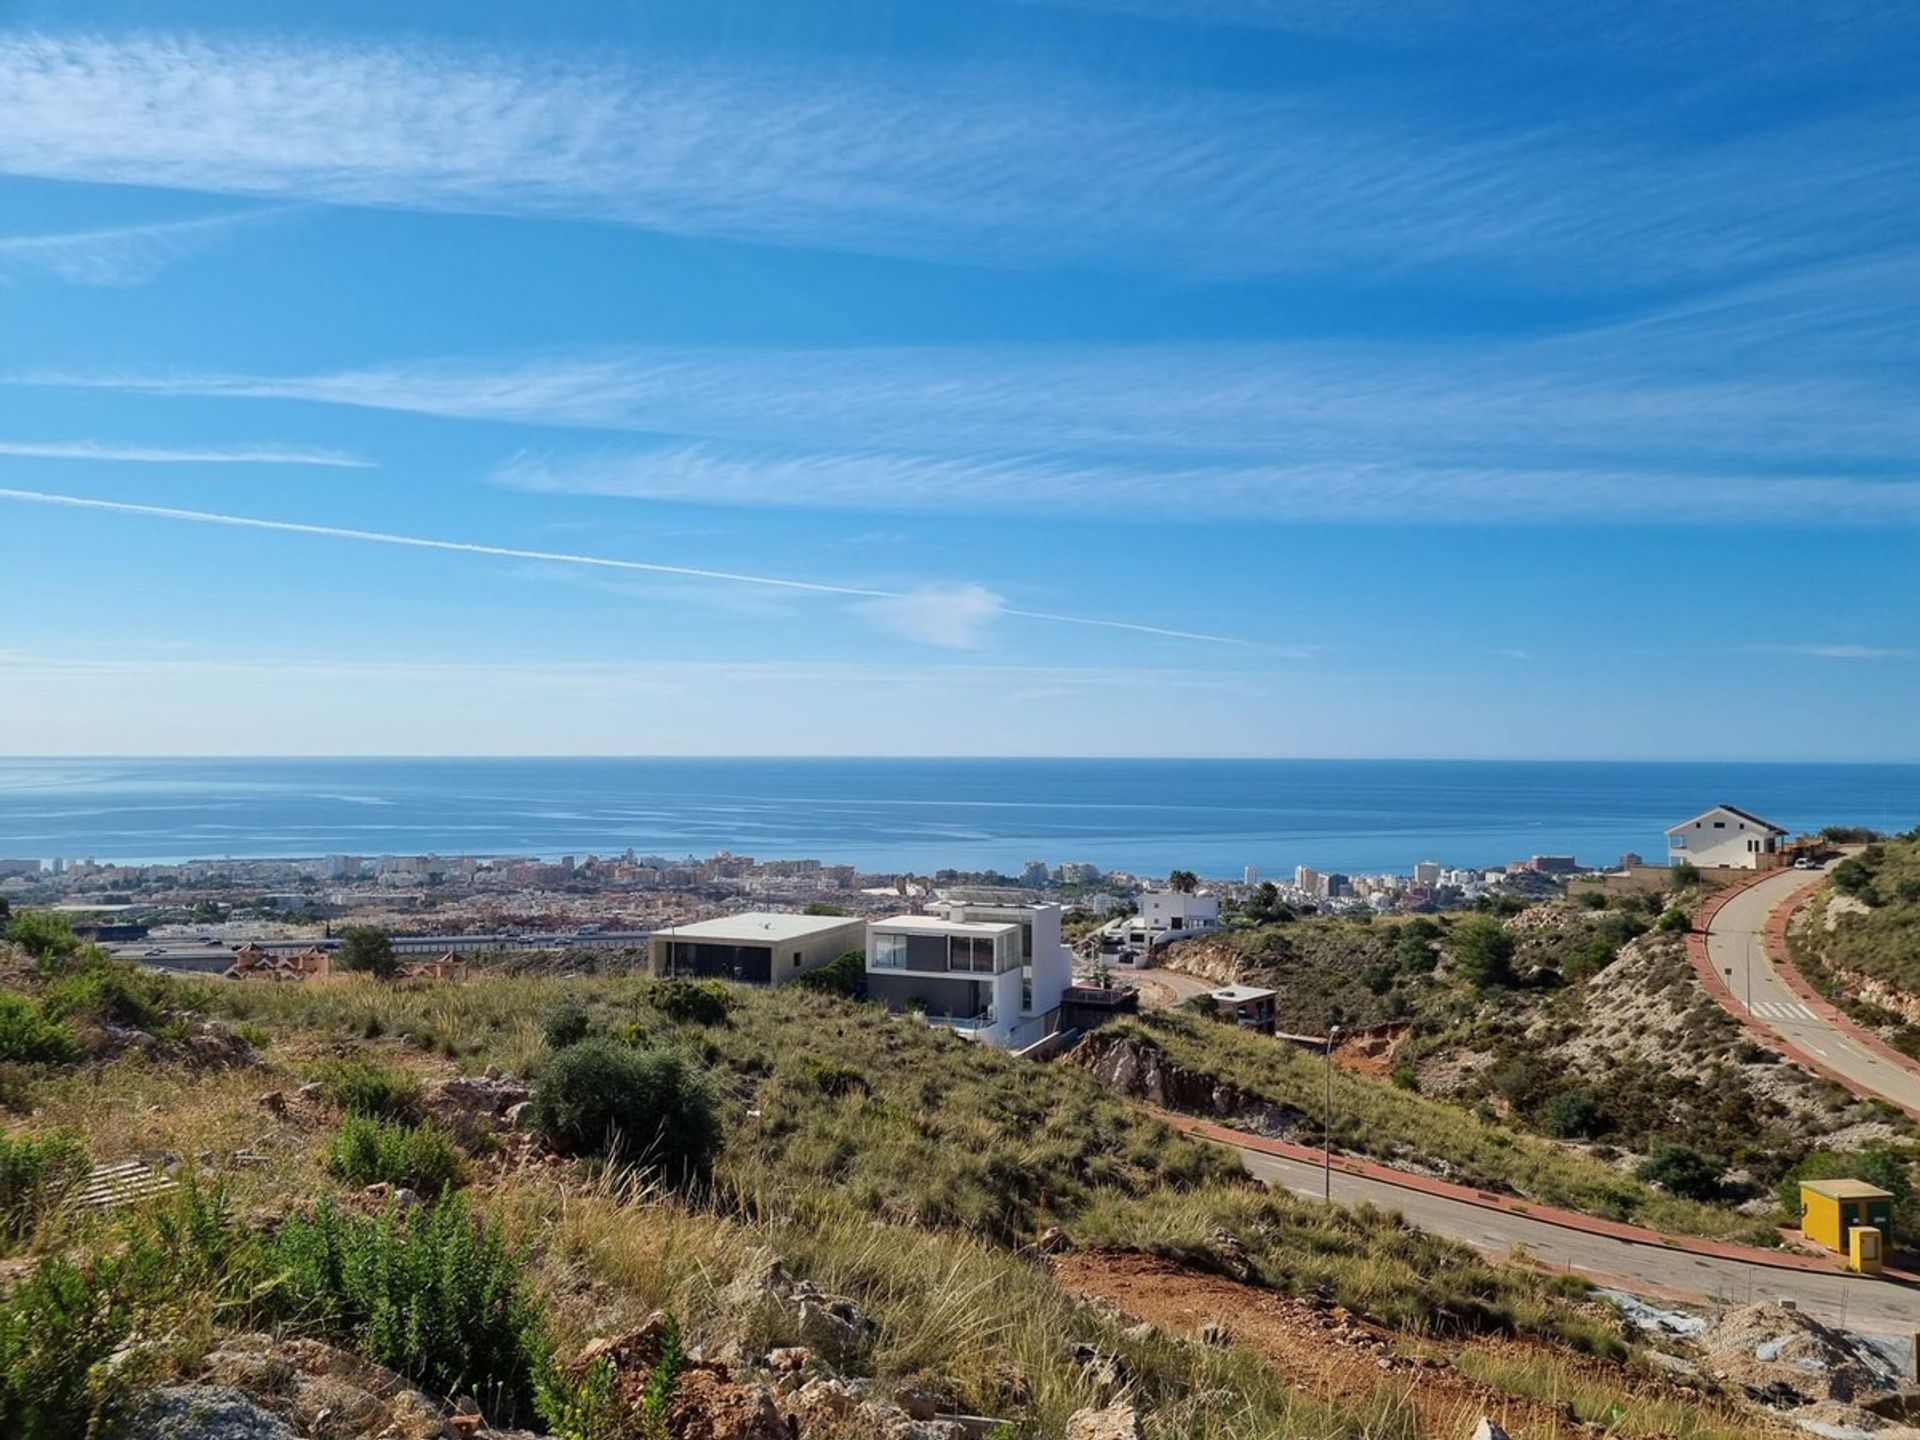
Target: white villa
point(1164, 915)
point(988, 967)
point(1726, 837)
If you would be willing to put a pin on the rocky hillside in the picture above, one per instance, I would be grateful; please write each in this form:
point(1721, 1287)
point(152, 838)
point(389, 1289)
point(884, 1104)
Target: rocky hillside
point(1858, 938)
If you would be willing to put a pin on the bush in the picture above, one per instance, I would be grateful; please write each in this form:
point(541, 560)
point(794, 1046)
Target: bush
point(437, 1295)
point(35, 1173)
point(1203, 1005)
point(369, 1151)
point(844, 975)
point(1675, 921)
point(47, 937)
point(1684, 874)
point(600, 1098)
point(361, 1087)
point(691, 1002)
point(567, 1025)
point(1483, 950)
point(1850, 877)
point(1573, 1115)
point(1681, 1170)
point(368, 949)
point(109, 990)
point(57, 1329)
point(27, 1036)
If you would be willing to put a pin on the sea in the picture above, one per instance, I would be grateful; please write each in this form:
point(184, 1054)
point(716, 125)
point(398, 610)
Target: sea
point(920, 815)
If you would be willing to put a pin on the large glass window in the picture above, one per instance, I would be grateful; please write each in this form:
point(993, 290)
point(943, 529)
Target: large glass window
point(889, 951)
point(971, 952)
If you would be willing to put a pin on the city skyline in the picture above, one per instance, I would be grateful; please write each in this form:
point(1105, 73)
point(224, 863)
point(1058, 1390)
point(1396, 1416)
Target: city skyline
point(1125, 377)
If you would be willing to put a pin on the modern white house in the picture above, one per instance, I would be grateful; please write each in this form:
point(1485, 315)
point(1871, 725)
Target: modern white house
point(1726, 837)
point(989, 965)
point(755, 948)
point(962, 974)
point(1163, 915)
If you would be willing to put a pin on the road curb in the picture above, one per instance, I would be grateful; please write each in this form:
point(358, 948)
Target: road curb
point(1718, 987)
point(1487, 1200)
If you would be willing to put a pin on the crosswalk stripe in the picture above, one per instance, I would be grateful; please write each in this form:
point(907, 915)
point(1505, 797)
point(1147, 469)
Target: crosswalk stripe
point(1783, 1010)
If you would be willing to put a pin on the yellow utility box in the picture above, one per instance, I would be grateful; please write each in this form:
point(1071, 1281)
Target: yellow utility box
point(1863, 1250)
point(1831, 1209)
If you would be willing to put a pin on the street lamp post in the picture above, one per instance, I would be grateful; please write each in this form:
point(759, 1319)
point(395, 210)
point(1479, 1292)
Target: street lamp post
point(1326, 1173)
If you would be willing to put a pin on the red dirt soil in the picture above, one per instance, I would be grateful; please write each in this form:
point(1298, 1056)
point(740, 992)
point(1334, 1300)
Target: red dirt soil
point(1325, 1351)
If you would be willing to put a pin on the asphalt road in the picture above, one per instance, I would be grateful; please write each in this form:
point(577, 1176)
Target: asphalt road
point(1736, 944)
point(1877, 1305)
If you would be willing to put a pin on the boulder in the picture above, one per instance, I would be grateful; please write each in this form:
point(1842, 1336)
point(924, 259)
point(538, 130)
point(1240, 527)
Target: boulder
point(1116, 1422)
point(1488, 1430)
point(205, 1412)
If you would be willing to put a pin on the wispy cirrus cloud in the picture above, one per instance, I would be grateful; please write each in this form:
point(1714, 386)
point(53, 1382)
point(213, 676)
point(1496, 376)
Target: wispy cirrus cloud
point(909, 612)
point(999, 166)
point(1843, 651)
point(120, 254)
point(1321, 492)
point(184, 454)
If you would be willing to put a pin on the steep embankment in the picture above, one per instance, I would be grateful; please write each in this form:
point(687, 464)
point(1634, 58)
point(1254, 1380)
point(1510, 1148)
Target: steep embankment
point(1857, 939)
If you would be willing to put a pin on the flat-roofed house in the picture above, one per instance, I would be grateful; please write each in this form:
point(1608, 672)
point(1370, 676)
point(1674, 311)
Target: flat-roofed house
point(755, 948)
point(1046, 962)
point(963, 974)
point(1725, 837)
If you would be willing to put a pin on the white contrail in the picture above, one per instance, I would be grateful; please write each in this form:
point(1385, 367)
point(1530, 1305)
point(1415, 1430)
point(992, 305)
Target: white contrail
point(466, 547)
point(182, 455)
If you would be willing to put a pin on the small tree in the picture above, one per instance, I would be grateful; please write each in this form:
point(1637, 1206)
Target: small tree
point(368, 949)
point(1184, 882)
point(1483, 950)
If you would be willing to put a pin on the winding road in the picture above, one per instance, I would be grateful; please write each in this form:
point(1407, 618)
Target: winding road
point(1737, 949)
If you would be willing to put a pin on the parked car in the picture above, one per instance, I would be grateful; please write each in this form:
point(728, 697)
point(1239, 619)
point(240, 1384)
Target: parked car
point(1803, 863)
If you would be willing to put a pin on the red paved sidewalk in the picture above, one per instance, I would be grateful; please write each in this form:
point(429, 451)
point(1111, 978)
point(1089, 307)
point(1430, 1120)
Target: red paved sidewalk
point(1776, 940)
point(1487, 1200)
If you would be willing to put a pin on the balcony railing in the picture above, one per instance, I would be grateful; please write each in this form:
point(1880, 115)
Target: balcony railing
point(984, 1021)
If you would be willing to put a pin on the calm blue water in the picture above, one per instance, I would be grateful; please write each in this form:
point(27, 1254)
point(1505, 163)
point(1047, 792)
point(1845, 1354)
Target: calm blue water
point(1214, 816)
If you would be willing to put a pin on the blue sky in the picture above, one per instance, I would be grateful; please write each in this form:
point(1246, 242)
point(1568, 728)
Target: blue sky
point(1204, 377)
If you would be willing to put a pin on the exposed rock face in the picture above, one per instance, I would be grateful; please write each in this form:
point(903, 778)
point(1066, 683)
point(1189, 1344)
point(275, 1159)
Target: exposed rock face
point(840, 1410)
point(1116, 1422)
point(1123, 1063)
point(326, 1392)
point(830, 1324)
point(490, 1095)
point(206, 1412)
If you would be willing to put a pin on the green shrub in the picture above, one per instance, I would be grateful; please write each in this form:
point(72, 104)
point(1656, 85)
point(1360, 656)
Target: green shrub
point(367, 1150)
point(361, 1087)
point(1675, 920)
point(57, 1329)
point(35, 1173)
point(1573, 1115)
point(1684, 874)
point(27, 1036)
point(47, 937)
point(1203, 1005)
point(106, 990)
point(437, 1295)
point(844, 975)
point(638, 1105)
point(1682, 1170)
point(567, 1025)
point(691, 1002)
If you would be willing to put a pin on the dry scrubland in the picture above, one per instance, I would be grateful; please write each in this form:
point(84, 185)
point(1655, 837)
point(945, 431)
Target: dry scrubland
point(1591, 1056)
point(1858, 940)
point(903, 1173)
